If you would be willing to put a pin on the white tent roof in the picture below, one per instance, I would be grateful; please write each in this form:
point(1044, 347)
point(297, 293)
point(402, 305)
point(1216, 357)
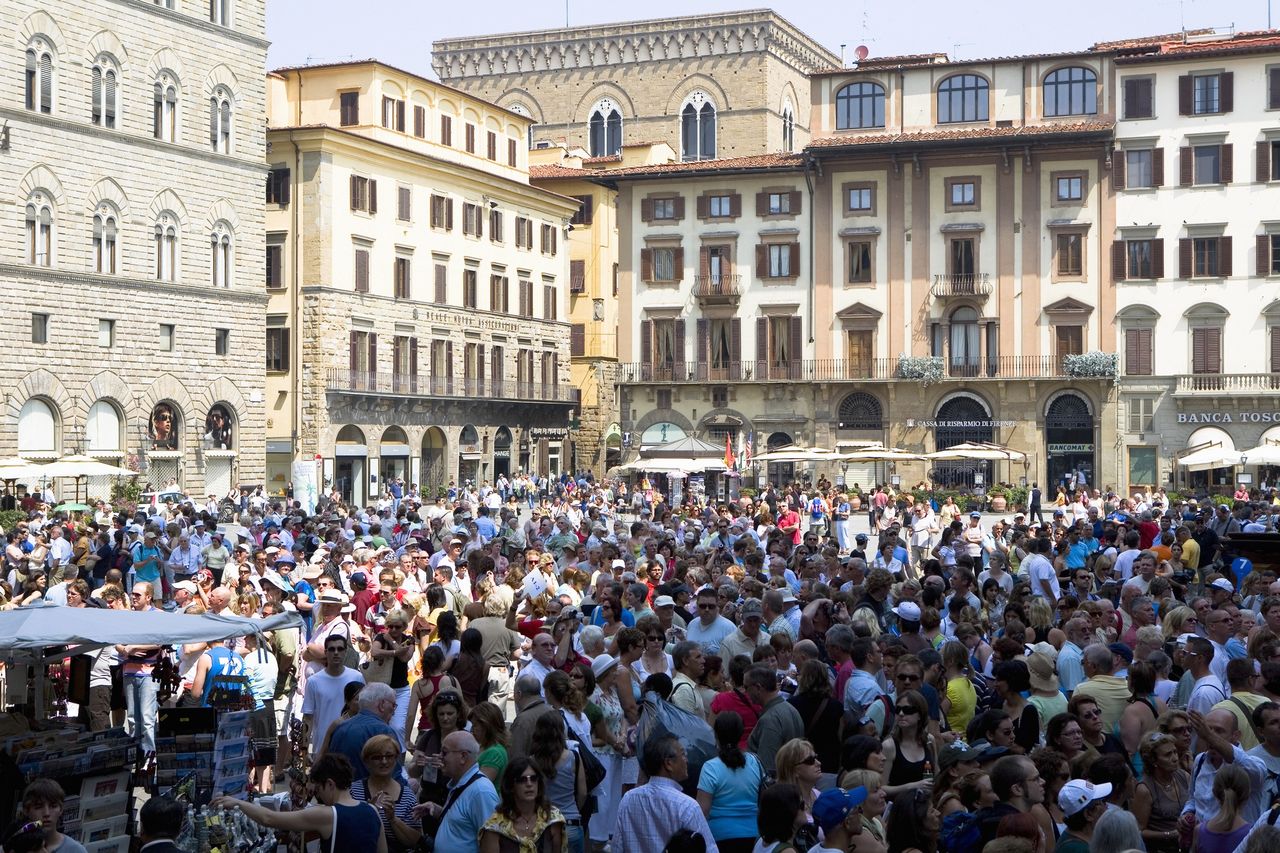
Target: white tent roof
point(90, 628)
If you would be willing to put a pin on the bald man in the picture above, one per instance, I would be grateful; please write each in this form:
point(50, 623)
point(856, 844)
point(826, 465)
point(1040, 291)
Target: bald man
point(1218, 733)
point(471, 800)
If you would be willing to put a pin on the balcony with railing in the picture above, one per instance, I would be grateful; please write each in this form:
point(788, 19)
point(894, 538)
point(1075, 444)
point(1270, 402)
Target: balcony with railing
point(1240, 384)
point(717, 288)
point(343, 381)
point(852, 369)
point(961, 284)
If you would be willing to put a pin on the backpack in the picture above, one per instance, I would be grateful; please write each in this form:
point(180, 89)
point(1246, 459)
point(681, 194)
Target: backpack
point(961, 832)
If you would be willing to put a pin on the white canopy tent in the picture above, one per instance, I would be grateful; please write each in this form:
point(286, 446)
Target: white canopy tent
point(1210, 457)
point(88, 628)
point(1267, 453)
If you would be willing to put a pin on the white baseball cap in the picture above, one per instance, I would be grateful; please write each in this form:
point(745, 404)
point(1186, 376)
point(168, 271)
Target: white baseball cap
point(908, 610)
point(1077, 795)
point(1223, 584)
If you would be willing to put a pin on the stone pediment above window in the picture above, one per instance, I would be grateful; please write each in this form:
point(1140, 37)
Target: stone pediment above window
point(1068, 307)
point(961, 227)
point(1138, 313)
point(859, 316)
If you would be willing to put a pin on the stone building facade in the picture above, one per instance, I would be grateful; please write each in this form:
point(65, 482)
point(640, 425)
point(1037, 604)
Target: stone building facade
point(132, 160)
point(418, 287)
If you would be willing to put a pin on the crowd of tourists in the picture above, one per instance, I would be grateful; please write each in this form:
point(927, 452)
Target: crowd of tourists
point(474, 674)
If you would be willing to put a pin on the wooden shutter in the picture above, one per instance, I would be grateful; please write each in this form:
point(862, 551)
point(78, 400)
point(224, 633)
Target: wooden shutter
point(413, 363)
point(1226, 92)
point(577, 276)
point(762, 204)
point(1137, 352)
point(373, 352)
point(373, 196)
point(1273, 88)
point(446, 130)
point(1206, 349)
point(646, 264)
point(1119, 260)
point(702, 358)
point(704, 264)
point(1184, 258)
point(1186, 166)
point(419, 122)
point(1184, 95)
point(404, 199)
point(735, 205)
point(762, 347)
point(795, 201)
point(353, 357)
point(480, 368)
point(448, 214)
point(1275, 349)
point(577, 340)
point(1224, 256)
point(677, 264)
point(646, 210)
point(735, 348)
point(646, 349)
point(679, 208)
point(213, 123)
point(1263, 244)
point(1227, 168)
point(797, 345)
point(355, 192)
point(512, 157)
point(701, 206)
point(678, 355)
point(448, 367)
point(491, 145)
point(1157, 258)
point(1117, 169)
point(1157, 167)
point(762, 260)
point(362, 271)
point(795, 260)
point(1262, 173)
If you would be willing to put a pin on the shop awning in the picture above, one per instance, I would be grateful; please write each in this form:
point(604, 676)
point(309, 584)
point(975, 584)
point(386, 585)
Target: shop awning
point(89, 628)
point(1209, 448)
point(674, 465)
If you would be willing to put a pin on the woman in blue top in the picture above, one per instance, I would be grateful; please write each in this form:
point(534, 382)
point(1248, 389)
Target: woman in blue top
point(729, 788)
point(346, 824)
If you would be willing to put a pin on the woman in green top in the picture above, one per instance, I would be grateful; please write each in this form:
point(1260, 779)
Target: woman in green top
point(490, 731)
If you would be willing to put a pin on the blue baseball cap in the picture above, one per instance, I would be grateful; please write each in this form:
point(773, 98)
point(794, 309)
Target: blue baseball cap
point(834, 805)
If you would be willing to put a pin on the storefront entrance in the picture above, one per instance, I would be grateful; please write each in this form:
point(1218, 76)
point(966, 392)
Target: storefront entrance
point(350, 465)
point(502, 453)
point(780, 473)
point(1068, 431)
point(960, 420)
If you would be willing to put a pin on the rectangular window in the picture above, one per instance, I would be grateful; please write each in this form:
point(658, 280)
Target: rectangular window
point(550, 303)
point(513, 156)
point(362, 270)
point(1204, 257)
point(275, 266)
point(1206, 94)
point(221, 341)
point(1273, 161)
point(166, 337)
point(1207, 164)
point(585, 214)
point(442, 284)
point(401, 273)
point(859, 352)
point(491, 146)
point(664, 264)
point(1137, 352)
point(1139, 259)
point(106, 333)
point(446, 131)
point(664, 208)
point(278, 186)
point(524, 233)
point(364, 194)
point(1206, 349)
point(471, 225)
point(441, 212)
point(1138, 172)
point(393, 114)
point(470, 138)
point(780, 260)
point(1138, 97)
point(495, 226)
point(548, 239)
point(1069, 188)
point(420, 122)
point(1069, 340)
point(1070, 252)
point(277, 349)
point(1142, 412)
point(664, 396)
point(779, 203)
point(860, 200)
point(860, 261)
point(1142, 466)
point(963, 194)
point(349, 108)
point(720, 206)
point(39, 328)
point(1274, 265)
point(470, 289)
point(404, 204)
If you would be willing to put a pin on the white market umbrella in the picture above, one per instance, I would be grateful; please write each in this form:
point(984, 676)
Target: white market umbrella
point(83, 466)
point(1267, 453)
point(979, 450)
point(1208, 458)
point(796, 453)
point(17, 468)
point(881, 454)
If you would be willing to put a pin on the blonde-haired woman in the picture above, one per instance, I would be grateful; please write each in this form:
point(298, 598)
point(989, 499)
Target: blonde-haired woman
point(798, 764)
point(872, 837)
point(1040, 617)
point(1178, 621)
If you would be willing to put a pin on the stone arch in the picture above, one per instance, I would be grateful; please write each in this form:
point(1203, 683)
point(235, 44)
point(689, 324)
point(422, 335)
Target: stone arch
point(959, 395)
point(39, 383)
point(472, 115)
point(1139, 312)
point(708, 420)
point(582, 110)
point(421, 97)
point(1069, 401)
point(860, 411)
point(691, 84)
point(109, 43)
point(168, 200)
point(223, 211)
point(658, 416)
point(1204, 310)
point(524, 98)
point(392, 89)
point(447, 107)
point(167, 387)
point(39, 24)
point(789, 98)
point(165, 59)
point(220, 75)
point(41, 177)
point(106, 385)
point(107, 190)
point(220, 390)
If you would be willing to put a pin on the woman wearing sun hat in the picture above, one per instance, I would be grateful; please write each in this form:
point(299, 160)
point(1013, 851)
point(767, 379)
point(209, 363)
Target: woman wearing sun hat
point(1045, 696)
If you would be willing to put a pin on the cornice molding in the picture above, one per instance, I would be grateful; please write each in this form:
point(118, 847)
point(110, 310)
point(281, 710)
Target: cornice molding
point(56, 275)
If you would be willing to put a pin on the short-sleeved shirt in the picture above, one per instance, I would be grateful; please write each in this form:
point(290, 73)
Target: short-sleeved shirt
point(497, 641)
point(494, 756)
point(964, 701)
point(734, 797)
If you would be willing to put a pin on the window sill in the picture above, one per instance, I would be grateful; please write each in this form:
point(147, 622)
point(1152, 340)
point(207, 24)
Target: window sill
point(1139, 189)
point(1139, 118)
point(859, 285)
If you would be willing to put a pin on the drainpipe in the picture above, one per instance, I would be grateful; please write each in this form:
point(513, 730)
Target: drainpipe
point(810, 166)
point(295, 316)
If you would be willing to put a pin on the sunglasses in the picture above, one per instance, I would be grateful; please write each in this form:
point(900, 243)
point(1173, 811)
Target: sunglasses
point(527, 779)
point(707, 606)
point(810, 760)
point(906, 709)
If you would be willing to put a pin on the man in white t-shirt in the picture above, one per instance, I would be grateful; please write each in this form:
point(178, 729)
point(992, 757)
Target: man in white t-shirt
point(322, 699)
point(1044, 580)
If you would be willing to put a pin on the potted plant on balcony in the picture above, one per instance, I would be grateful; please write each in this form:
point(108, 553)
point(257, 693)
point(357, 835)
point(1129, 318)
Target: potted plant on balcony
point(1103, 365)
point(926, 369)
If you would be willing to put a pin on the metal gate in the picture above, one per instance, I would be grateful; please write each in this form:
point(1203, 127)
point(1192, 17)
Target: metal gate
point(960, 420)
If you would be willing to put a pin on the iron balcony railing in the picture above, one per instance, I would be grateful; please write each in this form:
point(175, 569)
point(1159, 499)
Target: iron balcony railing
point(344, 381)
point(842, 369)
point(961, 284)
point(714, 286)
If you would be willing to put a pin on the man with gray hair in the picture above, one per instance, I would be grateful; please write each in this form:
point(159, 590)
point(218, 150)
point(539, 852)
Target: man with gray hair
point(688, 661)
point(1111, 693)
point(57, 594)
point(651, 814)
point(530, 706)
point(377, 705)
point(471, 799)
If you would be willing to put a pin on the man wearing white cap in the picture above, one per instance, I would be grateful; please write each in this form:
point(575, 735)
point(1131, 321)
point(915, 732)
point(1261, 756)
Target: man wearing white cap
point(1082, 803)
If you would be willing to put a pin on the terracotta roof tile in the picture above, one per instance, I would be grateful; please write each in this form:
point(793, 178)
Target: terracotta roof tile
point(607, 158)
point(964, 133)
point(551, 171)
point(1143, 41)
point(758, 162)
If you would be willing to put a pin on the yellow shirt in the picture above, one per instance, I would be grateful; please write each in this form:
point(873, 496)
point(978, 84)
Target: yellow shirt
point(1191, 554)
point(1111, 694)
point(964, 701)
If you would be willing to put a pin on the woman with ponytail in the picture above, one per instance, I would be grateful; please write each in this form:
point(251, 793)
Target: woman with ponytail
point(961, 700)
point(729, 788)
point(1224, 832)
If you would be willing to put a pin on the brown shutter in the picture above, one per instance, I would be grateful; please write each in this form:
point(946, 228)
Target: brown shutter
point(646, 264)
point(762, 204)
point(1262, 170)
point(1157, 167)
point(413, 363)
point(588, 212)
point(762, 347)
point(1213, 350)
point(702, 357)
point(1132, 348)
point(512, 157)
point(796, 201)
point(1224, 256)
point(441, 283)
point(678, 355)
point(795, 260)
point(735, 348)
point(1184, 95)
point(373, 196)
point(1227, 171)
point(1117, 169)
point(448, 367)
point(373, 352)
point(1273, 88)
point(677, 264)
point(1226, 92)
point(1275, 349)
point(1119, 257)
point(355, 192)
point(704, 263)
point(1186, 166)
point(1263, 244)
point(701, 206)
point(577, 340)
point(448, 215)
point(362, 271)
point(353, 358)
point(646, 349)
point(1157, 258)
point(797, 345)
point(646, 210)
point(762, 261)
point(679, 208)
point(1184, 258)
point(735, 205)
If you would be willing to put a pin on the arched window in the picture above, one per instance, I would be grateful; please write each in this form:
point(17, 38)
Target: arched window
point(102, 428)
point(604, 130)
point(167, 247)
point(220, 241)
point(220, 120)
point(860, 105)
point(164, 121)
point(39, 219)
point(962, 97)
point(37, 429)
point(1071, 92)
point(788, 128)
point(106, 76)
point(522, 110)
point(862, 411)
point(39, 77)
point(698, 128)
point(105, 239)
point(965, 339)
